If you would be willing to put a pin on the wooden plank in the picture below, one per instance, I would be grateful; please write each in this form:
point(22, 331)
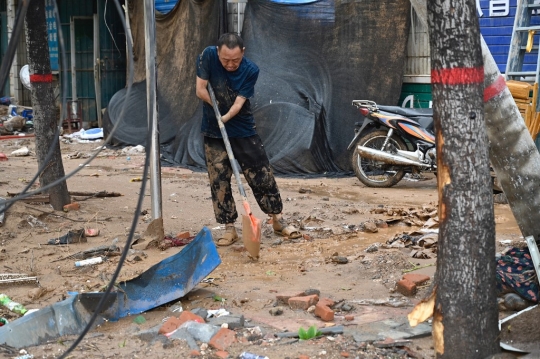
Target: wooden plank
point(519, 89)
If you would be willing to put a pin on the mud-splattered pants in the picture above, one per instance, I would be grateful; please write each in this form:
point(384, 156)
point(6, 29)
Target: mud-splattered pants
point(250, 154)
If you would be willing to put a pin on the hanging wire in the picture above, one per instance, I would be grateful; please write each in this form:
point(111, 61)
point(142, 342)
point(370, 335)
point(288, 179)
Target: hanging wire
point(4, 71)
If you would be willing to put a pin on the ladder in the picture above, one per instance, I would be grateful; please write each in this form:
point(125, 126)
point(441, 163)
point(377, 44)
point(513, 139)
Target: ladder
point(522, 43)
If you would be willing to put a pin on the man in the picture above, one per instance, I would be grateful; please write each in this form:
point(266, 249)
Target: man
point(233, 79)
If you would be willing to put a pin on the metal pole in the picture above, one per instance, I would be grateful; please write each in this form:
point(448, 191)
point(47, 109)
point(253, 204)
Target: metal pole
point(73, 59)
point(151, 103)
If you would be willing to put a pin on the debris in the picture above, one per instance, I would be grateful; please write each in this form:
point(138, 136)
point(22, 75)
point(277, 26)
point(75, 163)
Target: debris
point(3, 157)
point(232, 321)
point(370, 227)
point(91, 232)
point(21, 152)
point(16, 278)
point(89, 262)
point(340, 260)
point(276, 311)
point(512, 301)
point(2, 211)
point(246, 355)
point(108, 251)
point(72, 207)
point(11, 305)
point(389, 302)
point(391, 343)
point(73, 236)
point(328, 330)
point(139, 319)
point(372, 248)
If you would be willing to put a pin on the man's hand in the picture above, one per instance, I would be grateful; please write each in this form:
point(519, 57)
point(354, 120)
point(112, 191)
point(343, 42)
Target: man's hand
point(202, 91)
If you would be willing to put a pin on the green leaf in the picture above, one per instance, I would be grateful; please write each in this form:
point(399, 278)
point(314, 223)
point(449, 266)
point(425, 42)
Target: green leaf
point(217, 298)
point(312, 332)
point(302, 334)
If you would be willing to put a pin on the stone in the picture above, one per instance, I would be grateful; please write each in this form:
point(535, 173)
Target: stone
point(370, 227)
point(311, 291)
point(303, 303)
point(183, 334)
point(417, 279)
point(200, 331)
point(223, 339)
point(276, 311)
point(148, 335)
point(232, 321)
point(349, 317)
point(406, 287)
point(372, 248)
point(201, 312)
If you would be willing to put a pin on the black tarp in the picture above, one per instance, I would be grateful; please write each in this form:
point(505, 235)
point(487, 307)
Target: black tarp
point(314, 60)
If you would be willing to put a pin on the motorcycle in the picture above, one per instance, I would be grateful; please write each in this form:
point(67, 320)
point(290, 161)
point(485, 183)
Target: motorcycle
point(391, 142)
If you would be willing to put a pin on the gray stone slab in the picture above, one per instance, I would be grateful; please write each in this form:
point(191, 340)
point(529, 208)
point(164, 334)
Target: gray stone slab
point(394, 334)
point(200, 331)
point(233, 321)
point(183, 334)
point(148, 335)
point(365, 337)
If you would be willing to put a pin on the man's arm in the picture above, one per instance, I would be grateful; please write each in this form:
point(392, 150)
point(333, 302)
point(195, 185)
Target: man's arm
point(202, 91)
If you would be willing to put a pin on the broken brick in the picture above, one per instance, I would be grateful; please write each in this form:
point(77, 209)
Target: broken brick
point(345, 354)
point(324, 312)
point(223, 339)
point(417, 279)
point(72, 207)
point(349, 317)
point(170, 325)
point(303, 303)
point(183, 235)
point(302, 356)
point(326, 301)
point(406, 287)
point(187, 316)
point(284, 297)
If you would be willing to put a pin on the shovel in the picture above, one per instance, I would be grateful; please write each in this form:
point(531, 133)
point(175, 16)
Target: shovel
point(251, 225)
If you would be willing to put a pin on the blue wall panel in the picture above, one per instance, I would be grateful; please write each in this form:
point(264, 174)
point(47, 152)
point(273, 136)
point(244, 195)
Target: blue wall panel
point(497, 31)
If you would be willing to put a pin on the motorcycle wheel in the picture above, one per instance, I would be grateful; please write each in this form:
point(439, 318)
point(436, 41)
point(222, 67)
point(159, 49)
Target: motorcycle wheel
point(375, 173)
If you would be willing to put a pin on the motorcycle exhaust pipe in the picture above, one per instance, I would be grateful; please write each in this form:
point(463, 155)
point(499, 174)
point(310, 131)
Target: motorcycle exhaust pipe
point(388, 158)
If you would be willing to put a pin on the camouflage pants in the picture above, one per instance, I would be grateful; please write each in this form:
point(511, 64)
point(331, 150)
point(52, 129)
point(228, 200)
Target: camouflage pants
point(250, 154)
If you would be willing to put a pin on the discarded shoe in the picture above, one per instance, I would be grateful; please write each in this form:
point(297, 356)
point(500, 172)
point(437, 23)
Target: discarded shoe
point(73, 236)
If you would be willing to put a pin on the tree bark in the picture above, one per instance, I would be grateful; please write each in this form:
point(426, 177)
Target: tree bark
point(465, 314)
point(43, 104)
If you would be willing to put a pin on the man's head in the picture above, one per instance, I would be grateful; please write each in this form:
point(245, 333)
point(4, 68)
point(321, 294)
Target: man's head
point(230, 51)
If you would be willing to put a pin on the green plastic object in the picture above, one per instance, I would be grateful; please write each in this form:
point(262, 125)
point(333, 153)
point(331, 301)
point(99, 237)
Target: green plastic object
point(139, 319)
point(11, 305)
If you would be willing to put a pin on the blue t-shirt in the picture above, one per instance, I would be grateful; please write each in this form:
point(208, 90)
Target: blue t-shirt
point(227, 86)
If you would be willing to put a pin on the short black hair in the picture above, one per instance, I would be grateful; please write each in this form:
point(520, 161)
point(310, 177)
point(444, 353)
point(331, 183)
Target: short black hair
point(231, 40)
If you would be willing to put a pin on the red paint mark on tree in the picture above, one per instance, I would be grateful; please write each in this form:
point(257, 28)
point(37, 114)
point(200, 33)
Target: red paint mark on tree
point(495, 88)
point(458, 76)
point(41, 78)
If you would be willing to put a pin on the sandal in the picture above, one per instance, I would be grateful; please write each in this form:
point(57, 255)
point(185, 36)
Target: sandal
point(228, 238)
point(287, 230)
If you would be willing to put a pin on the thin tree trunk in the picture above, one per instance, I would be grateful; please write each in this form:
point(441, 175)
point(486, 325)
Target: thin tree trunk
point(465, 314)
point(43, 103)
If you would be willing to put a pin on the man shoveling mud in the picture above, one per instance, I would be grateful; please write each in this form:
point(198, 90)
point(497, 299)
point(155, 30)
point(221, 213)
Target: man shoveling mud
point(233, 79)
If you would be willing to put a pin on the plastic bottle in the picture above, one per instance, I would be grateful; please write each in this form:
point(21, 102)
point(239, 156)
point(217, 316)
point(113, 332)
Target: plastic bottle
point(89, 261)
point(11, 305)
point(246, 355)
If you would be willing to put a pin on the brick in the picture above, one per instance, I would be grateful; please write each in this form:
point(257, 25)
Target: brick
point(417, 279)
point(186, 316)
point(303, 303)
point(223, 339)
point(406, 287)
point(302, 356)
point(284, 297)
point(72, 207)
point(349, 317)
point(221, 354)
point(194, 354)
point(170, 325)
point(324, 312)
point(326, 301)
point(183, 235)
point(345, 354)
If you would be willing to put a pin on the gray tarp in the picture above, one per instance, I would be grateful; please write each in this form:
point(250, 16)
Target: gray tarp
point(314, 60)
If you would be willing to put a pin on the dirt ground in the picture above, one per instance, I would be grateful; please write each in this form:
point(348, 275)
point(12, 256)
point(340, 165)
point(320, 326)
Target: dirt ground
point(332, 211)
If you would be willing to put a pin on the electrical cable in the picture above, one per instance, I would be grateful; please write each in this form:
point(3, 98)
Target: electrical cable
point(125, 250)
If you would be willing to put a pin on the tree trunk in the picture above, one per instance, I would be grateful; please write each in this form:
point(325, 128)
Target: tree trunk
point(43, 104)
point(465, 314)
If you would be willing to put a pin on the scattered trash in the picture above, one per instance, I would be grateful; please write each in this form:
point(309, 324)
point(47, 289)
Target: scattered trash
point(246, 355)
point(21, 152)
point(72, 207)
point(179, 240)
point(139, 319)
point(73, 236)
point(423, 244)
point(3, 321)
point(136, 179)
point(338, 329)
point(91, 232)
point(133, 150)
point(16, 278)
point(389, 302)
point(89, 261)
point(218, 312)
point(11, 305)
point(108, 251)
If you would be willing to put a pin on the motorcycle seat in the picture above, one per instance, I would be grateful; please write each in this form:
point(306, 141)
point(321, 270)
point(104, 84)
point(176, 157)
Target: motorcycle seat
point(407, 112)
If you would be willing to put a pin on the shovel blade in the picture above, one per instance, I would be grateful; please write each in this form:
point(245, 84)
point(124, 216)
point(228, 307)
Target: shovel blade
point(251, 235)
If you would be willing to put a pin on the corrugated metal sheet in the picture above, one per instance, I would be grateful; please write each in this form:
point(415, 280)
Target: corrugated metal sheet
point(164, 6)
point(497, 31)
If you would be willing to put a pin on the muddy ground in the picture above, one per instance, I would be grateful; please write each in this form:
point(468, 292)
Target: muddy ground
point(331, 209)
